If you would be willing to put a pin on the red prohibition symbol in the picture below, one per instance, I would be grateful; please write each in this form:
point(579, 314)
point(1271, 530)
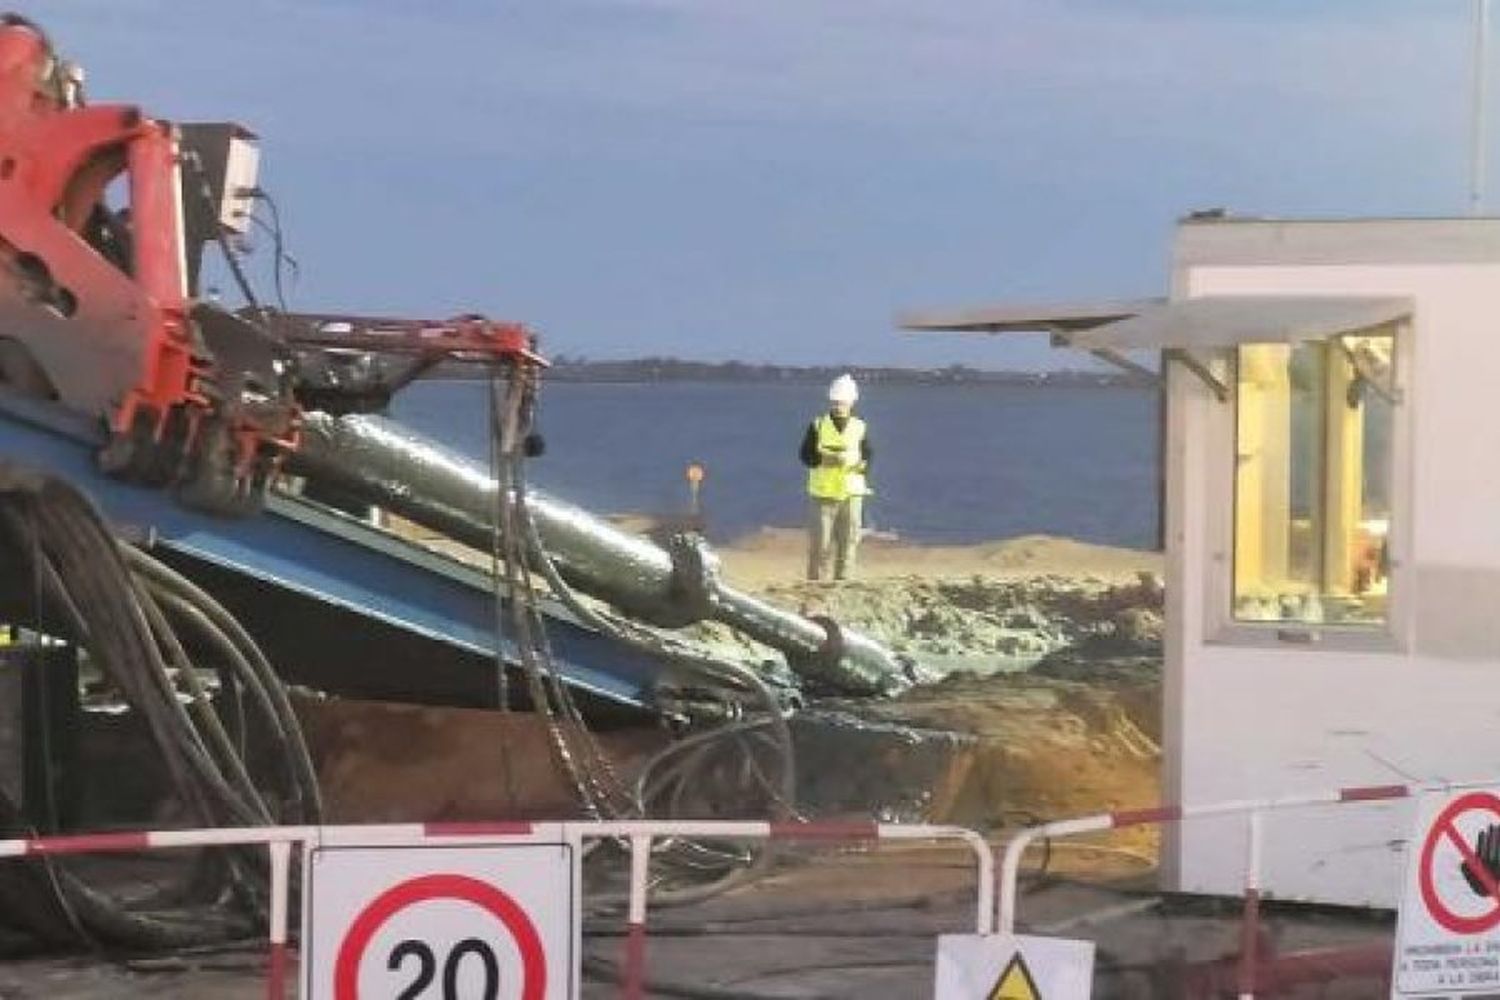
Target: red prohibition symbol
point(1443, 828)
point(431, 887)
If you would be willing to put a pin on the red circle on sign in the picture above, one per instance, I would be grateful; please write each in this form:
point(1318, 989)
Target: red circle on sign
point(430, 887)
point(1442, 827)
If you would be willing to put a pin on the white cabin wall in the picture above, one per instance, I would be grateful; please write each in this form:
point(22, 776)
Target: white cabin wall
point(1250, 721)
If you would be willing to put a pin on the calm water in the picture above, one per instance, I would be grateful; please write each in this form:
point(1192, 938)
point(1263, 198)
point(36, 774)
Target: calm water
point(952, 464)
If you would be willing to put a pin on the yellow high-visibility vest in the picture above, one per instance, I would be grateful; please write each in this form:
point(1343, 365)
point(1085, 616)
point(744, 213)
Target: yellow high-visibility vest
point(847, 479)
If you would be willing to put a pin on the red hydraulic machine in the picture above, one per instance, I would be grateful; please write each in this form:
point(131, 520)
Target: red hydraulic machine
point(105, 214)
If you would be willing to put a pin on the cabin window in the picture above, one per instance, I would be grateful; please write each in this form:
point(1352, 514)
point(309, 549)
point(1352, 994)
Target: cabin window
point(1312, 511)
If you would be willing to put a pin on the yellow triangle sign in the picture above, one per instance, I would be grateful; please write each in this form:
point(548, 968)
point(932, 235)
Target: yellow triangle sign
point(1015, 983)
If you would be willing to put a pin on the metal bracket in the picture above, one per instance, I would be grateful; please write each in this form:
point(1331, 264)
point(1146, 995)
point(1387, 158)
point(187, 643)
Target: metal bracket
point(1381, 384)
point(1198, 368)
point(1121, 361)
point(1060, 338)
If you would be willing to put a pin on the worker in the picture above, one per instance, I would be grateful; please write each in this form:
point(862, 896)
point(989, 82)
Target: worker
point(836, 451)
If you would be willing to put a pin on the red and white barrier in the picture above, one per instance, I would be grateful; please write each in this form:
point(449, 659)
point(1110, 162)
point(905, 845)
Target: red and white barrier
point(279, 842)
point(1253, 809)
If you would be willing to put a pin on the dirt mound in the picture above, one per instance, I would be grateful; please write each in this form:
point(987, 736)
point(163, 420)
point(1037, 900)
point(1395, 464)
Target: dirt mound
point(986, 752)
point(1049, 702)
point(776, 556)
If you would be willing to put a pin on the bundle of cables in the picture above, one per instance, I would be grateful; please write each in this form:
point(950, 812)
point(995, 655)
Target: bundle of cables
point(744, 767)
point(136, 619)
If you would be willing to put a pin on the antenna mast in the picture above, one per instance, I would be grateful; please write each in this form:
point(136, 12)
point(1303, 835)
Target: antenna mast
point(1477, 133)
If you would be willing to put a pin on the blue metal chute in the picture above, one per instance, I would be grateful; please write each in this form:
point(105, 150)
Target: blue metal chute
point(336, 602)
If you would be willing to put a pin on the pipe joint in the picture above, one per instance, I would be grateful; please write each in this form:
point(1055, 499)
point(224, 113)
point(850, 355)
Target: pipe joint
point(696, 577)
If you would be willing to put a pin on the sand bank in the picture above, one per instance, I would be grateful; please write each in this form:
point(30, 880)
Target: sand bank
point(777, 555)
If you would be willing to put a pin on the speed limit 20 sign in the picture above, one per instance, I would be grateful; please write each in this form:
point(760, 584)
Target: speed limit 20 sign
point(426, 921)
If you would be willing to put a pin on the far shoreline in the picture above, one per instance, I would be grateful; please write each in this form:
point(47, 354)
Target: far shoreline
point(654, 371)
point(769, 556)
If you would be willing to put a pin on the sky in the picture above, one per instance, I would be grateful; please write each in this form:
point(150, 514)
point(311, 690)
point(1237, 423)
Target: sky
point(773, 180)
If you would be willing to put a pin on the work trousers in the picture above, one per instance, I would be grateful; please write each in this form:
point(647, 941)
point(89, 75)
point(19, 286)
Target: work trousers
point(833, 535)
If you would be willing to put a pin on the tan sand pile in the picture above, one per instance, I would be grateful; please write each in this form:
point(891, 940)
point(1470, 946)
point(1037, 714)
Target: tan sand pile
point(777, 555)
point(992, 622)
point(998, 606)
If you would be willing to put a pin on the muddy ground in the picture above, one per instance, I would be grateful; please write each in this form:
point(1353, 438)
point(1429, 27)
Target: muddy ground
point(1042, 655)
point(1041, 661)
point(1041, 700)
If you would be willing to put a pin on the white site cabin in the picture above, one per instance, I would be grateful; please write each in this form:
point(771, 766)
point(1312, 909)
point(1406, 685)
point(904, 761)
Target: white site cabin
point(1331, 448)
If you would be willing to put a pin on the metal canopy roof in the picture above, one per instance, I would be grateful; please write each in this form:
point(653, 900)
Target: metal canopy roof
point(1219, 321)
point(1048, 317)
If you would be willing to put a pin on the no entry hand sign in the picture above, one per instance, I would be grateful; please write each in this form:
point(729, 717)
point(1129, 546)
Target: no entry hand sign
point(1448, 933)
point(494, 920)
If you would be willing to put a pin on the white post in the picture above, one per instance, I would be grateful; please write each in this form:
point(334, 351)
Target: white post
point(1010, 861)
point(1010, 874)
point(281, 856)
point(1250, 917)
point(633, 985)
point(985, 921)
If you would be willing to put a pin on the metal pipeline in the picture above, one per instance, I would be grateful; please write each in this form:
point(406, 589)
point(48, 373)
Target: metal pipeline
point(388, 465)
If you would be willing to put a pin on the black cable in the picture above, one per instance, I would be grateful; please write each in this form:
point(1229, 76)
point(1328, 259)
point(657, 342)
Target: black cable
point(205, 194)
point(92, 911)
point(269, 690)
point(90, 561)
point(124, 608)
point(516, 550)
point(497, 545)
point(738, 676)
point(235, 674)
point(278, 244)
point(218, 743)
point(43, 690)
point(739, 870)
point(600, 791)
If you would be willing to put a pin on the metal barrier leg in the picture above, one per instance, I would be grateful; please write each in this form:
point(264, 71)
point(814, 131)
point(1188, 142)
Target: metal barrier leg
point(1250, 921)
point(633, 986)
point(281, 855)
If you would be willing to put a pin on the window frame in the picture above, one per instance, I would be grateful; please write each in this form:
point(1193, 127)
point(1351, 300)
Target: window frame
point(1221, 447)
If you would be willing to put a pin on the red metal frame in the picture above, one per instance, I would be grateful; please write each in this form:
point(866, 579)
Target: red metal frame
point(471, 338)
point(115, 338)
point(55, 163)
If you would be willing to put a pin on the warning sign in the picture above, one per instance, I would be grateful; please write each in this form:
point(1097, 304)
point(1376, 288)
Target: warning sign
point(494, 920)
point(1015, 982)
point(1448, 930)
point(1013, 967)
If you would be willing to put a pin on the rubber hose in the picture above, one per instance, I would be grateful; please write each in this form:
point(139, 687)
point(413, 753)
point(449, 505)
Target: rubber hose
point(275, 691)
point(191, 616)
point(208, 721)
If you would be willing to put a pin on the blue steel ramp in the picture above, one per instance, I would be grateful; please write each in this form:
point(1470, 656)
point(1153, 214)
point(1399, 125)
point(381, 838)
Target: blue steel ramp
point(337, 603)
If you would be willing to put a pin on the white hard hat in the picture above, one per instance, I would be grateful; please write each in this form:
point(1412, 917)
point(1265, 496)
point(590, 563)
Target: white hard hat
point(843, 390)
